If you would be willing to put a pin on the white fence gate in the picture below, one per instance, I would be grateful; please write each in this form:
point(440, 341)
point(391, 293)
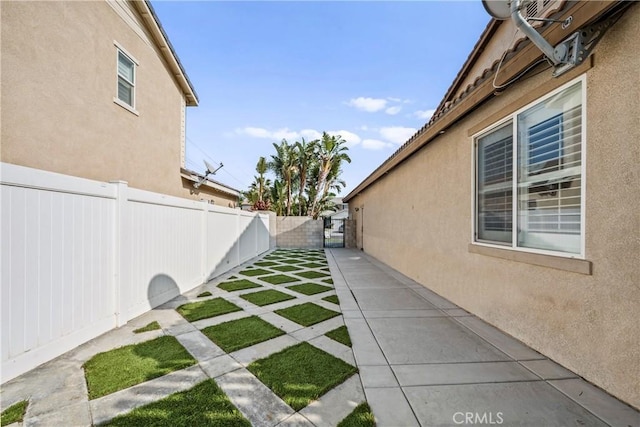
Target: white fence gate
point(81, 257)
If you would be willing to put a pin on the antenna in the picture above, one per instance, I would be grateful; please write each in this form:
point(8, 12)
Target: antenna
point(565, 55)
point(211, 170)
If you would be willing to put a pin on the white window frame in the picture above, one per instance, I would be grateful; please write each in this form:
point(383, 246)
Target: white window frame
point(513, 117)
point(121, 50)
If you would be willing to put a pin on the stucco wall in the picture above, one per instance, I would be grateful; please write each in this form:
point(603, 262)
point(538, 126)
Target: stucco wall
point(299, 232)
point(58, 85)
point(418, 219)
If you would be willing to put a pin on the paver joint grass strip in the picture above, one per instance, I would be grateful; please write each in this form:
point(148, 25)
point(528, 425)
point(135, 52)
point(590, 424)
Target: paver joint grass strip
point(292, 261)
point(205, 294)
point(150, 327)
point(341, 335)
point(279, 279)
point(309, 288)
point(301, 374)
point(238, 285)
point(238, 334)
point(307, 314)
point(204, 309)
point(312, 265)
point(311, 274)
point(332, 298)
point(14, 413)
point(361, 416)
point(127, 366)
point(255, 272)
point(265, 263)
point(329, 281)
point(204, 405)
point(267, 297)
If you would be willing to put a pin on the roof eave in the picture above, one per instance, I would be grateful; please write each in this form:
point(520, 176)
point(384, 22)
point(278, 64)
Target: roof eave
point(162, 40)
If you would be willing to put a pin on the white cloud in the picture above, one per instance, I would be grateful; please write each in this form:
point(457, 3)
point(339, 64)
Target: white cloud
point(351, 138)
point(370, 105)
point(285, 133)
point(393, 110)
point(276, 135)
point(424, 114)
point(364, 127)
point(254, 132)
point(375, 144)
point(397, 134)
point(310, 134)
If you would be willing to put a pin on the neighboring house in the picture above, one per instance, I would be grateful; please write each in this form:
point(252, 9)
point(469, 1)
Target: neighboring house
point(520, 204)
point(95, 90)
point(208, 189)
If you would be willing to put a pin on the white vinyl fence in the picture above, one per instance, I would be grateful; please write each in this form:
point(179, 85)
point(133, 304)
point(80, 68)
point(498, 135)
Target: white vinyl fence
point(81, 257)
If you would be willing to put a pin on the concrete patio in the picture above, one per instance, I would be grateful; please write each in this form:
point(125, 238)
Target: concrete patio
point(422, 362)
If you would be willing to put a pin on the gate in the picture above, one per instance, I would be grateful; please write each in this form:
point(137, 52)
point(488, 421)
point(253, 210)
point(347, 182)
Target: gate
point(334, 233)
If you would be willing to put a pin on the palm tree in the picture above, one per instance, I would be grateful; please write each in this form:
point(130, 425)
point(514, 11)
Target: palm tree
point(306, 155)
point(332, 152)
point(261, 168)
point(284, 165)
point(277, 197)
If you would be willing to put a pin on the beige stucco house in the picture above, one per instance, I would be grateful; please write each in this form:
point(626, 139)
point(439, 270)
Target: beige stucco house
point(519, 201)
point(95, 90)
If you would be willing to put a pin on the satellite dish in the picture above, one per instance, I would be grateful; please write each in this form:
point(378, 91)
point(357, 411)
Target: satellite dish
point(499, 9)
point(211, 170)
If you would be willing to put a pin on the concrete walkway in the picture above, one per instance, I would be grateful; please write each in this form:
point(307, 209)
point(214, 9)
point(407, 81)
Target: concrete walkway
point(425, 362)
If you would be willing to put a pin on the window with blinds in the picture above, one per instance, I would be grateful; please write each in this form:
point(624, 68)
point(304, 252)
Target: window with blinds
point(126, 79)
point(548, 181)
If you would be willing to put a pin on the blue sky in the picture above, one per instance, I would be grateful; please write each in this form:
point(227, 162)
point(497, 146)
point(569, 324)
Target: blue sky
point(370, 71)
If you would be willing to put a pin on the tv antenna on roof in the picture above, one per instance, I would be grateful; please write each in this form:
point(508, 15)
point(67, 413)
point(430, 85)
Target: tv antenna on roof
point(210, 171)
point(565, 55)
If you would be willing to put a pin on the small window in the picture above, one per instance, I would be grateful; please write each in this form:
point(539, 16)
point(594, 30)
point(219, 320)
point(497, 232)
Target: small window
point(543, 198)
point(126, 79)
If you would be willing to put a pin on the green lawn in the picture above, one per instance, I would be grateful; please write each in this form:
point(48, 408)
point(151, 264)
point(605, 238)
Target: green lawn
point(292, 261)
point(279, 279)
point(332, 299)
point(150, 327)
point(360, 417)
point(312, 265)
point(287, 268)
point(255, 272)
point(307, 314)
point(204, 309)
point(341, 335)
point(329, 281)
point(311, 274)
point(301, 374)
point(238, 285)
point(126, 366)
point(204, 405)
point(267, 297)
point(309, 288)
point(205, 294)
point(241, 333)
point(14, 413)
point(265, 263)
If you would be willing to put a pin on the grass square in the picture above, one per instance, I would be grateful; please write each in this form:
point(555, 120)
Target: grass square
point(14, 413)
point(241, 333)
point(307, 314)
point(204, 405)
point(267, 297)
point(341, 335)
point(127, 366)
point(255, 272)
point(286, 268)
point(301, 374)
point(309, 288)
point(329, 281)
point(205, 294)
point(150, 327)
point(279, 279)
point(312, 265)
point(292, 261)
point(311, 274)
point(361, 416)
point(238, 285)
point(332, 298)
point(265, 263)
point(204, 309)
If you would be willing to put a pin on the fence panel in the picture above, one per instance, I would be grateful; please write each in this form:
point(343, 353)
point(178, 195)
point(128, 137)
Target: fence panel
point(57, 265)
point(222, 233)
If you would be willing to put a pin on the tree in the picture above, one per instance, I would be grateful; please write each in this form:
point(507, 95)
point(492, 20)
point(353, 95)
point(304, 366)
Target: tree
point(331, 154)
point(284, 165)
point(306, 154)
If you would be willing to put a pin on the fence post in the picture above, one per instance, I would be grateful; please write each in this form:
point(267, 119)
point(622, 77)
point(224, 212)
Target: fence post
point(204, 247)
point(119, 246)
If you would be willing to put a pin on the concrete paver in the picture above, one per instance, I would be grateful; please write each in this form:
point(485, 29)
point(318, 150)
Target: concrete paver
point(335, 405)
